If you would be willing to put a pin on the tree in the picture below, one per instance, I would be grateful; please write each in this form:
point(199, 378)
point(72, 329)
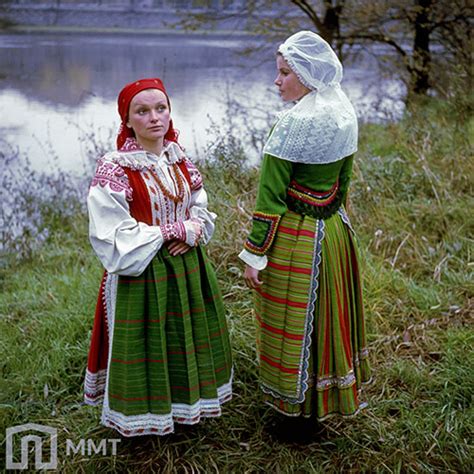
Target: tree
point(410, 28)
point(327, 22)
point(413, 29)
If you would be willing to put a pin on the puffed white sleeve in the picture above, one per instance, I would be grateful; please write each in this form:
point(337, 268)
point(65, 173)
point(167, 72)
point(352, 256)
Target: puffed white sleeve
point(198, 206)
point(123, 245)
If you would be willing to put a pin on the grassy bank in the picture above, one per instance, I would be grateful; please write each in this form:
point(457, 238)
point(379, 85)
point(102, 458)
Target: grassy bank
point(411, 204)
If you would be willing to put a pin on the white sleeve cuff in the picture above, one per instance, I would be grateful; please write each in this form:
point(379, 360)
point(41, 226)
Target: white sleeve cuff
point(198, 210)
point(259, 262)
point(192, 231)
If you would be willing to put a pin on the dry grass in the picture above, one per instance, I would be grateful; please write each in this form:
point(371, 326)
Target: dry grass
point(411, 204)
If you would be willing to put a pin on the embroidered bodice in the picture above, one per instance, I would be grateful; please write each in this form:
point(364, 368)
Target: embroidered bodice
point(171, 191)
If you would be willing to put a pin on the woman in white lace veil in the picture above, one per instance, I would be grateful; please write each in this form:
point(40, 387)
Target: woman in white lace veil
point(301, 254)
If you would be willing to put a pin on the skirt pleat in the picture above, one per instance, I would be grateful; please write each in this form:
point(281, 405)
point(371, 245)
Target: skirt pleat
point(170, 351)
point(323, 343)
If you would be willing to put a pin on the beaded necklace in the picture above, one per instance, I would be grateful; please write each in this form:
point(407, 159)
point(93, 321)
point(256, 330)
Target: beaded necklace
point(175, 198)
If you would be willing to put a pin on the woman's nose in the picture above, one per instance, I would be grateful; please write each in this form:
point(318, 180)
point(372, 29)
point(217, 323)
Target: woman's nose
point(277, 81)
point(154, 116)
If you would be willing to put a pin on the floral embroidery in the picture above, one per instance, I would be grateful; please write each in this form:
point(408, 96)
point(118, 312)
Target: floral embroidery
point(176, 230)
point(195, 175)
point(272, 221)
point(111, 174)
point(131, 144)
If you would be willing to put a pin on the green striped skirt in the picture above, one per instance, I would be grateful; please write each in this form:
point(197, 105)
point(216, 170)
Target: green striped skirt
point(310, 322)
point(170, 357)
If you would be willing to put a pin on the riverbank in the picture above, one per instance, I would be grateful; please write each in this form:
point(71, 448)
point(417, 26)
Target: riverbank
point(411, 205)
point(119, 21)
point(63, 29)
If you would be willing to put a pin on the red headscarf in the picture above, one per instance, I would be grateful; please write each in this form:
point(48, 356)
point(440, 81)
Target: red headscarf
point(125, 97)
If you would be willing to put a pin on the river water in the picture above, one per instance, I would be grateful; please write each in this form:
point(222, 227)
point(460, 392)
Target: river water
point(56, 89)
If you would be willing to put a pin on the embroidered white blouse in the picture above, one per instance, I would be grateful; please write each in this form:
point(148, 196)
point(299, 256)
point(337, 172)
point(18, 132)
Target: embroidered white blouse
point(124, 245)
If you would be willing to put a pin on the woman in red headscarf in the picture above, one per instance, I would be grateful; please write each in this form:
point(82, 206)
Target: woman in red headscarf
point(160, 349)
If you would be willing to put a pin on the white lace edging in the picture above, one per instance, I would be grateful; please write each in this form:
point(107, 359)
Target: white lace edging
point(152, 424)
point(149, 423)
point(94, 387)
point(139, 159)
point(362, 406)
point(310, 312)
point(303, 373)
point(318, 129)
point(94, 383)
point(345, 218)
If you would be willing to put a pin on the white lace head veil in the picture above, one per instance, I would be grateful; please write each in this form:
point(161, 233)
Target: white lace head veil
point(322, 126)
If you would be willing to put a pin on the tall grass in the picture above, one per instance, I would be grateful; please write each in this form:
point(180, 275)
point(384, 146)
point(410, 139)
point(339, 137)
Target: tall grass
point(411, 204)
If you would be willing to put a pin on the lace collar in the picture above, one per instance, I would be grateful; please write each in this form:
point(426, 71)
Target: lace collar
point(320, 128)
point(133, 156)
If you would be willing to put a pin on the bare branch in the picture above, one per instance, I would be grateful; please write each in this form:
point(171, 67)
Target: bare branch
point(379, 38)
point(309, 11)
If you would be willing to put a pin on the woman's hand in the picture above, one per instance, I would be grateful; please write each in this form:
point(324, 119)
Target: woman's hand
point(251, 277)
point(193, 231)
point(177, 247)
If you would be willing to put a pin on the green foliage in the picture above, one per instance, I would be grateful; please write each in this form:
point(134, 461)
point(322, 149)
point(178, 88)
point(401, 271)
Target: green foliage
point(411, 203)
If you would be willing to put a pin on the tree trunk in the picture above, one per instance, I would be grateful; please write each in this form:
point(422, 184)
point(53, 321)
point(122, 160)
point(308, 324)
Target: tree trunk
point(329, 26)
point(330, 30)
point(420, 73)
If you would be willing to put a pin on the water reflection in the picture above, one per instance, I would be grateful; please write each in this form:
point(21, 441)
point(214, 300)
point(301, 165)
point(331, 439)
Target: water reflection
point(56, 85)
point(67, 69)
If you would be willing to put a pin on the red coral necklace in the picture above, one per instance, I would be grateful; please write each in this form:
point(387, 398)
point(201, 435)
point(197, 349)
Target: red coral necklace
point(176, 198)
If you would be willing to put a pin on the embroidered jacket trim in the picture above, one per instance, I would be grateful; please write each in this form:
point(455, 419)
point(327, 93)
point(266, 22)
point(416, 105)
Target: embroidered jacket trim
point(271, 221)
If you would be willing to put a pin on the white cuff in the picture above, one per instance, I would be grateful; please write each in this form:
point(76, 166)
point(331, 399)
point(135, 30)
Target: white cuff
point(193, 229)
point(259, 262)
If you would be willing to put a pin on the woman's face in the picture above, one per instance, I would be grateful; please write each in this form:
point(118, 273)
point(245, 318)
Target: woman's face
point(287, 81)
point(149, 116)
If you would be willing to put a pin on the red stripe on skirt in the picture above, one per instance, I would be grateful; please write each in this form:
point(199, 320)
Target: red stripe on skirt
point(290, 231)
point(177, 314)
point(289, 268)
point(282, 301)
point(277, 365)
point(139, 399)
point(326, 401)
point(137, 361)
point(343, 321)
point(274, 330)
point(200, 384)
point(169, 276)
point(217, 333)
point(347, 323)
point(139, 320)
point(327, 339)
point(277, 347)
